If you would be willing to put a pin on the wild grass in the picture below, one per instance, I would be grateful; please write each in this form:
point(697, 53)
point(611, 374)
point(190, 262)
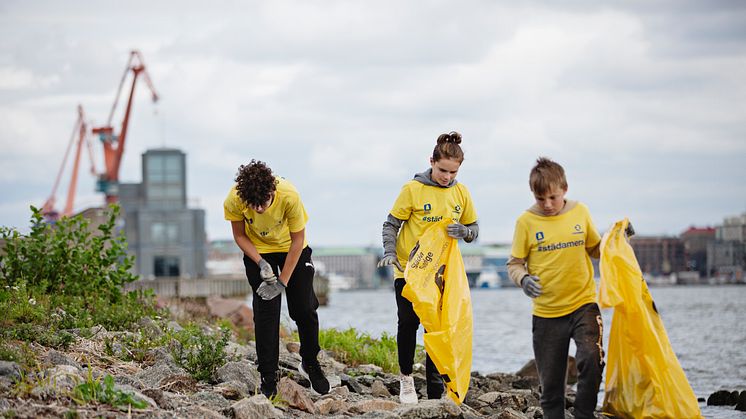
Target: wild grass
point(355, 348)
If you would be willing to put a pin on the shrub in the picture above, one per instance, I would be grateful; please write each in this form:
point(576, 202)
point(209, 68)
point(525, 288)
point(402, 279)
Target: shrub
point(65, 258)
point(198, 352)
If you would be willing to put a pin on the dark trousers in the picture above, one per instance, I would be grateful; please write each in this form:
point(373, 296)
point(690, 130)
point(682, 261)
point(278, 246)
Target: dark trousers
point(406, 341)
point(551, 337)
point(302, 305)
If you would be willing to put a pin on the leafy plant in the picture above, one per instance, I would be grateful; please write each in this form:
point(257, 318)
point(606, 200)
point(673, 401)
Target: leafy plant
point(66, 257)
point(93, 390)
point(198, 352)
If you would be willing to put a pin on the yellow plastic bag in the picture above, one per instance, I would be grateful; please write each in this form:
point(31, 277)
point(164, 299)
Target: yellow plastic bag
point(439, 291)
point(643, 375)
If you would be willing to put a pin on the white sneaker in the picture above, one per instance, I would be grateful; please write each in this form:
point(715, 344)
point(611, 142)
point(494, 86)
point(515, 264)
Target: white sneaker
point(407, 393)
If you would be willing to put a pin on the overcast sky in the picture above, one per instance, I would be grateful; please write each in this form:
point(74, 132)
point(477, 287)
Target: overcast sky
point(644, 103)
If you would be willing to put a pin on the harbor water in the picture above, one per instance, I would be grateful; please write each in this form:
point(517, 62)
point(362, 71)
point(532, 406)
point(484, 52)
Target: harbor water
point(705, 324)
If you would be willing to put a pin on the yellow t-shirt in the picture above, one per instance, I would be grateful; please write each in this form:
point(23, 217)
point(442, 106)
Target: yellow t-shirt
point(270, 231)
point(555, 251)
point(420, 206)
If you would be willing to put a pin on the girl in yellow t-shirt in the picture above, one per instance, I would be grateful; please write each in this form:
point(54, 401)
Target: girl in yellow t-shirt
point(430, 197)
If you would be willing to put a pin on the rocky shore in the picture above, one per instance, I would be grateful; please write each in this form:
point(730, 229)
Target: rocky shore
point(165, 389)
point(170, 392)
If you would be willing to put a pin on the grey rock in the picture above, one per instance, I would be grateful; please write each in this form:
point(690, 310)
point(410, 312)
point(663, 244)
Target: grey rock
point(164, 399)
point(241, 371)
point(378, 389)
point(442, 409)
point(509, 413)
point(64, 377)
point(153, 376)
point(235, 390)
point(327, 406)
point(289, 360)
point(174, 326)
point(188, 412)
point(352, 384)
point(10, 370)
point(56, 358)
point(211, 400)
point(255, 407)
point(371, 405)
point(380, 414)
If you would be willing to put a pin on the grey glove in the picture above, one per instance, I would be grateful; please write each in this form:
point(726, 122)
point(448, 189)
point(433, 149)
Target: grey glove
point(265, 271)
point(390, 260)
point(270, 289)
point(459, 231)
point(530, 285)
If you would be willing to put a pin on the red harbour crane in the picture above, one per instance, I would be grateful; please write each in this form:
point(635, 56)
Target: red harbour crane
point(108, 180)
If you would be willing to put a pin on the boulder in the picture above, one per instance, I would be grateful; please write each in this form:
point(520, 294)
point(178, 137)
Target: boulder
point(242, 371)
point(331, 405)
point(371, 405)
point(741, 402)
point(295, 395)
point(435, 409)
point(722, 398)
point(255, 407)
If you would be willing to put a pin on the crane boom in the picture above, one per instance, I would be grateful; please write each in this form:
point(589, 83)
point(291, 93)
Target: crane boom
point(48, 209)
point(113, 144)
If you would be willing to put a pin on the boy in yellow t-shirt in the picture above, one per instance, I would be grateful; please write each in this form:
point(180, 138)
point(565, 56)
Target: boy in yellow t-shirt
point(550, 260)
point(268, 221)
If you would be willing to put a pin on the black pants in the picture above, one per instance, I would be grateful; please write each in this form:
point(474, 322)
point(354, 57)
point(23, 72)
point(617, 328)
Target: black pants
point(406, 341)
point(302, 305)
point(551, 338)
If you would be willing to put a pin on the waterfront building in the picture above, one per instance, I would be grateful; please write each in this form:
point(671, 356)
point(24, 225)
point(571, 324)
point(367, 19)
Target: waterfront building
point(659, 256)
point(695, 241)
point(166, 237)
point(726, 255)
point(349, 267)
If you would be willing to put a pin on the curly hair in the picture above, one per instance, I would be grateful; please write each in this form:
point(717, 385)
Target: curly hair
point(255, 183)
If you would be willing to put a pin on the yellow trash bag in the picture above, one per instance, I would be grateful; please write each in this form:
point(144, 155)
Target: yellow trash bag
point(439, 292)
point(643, 375)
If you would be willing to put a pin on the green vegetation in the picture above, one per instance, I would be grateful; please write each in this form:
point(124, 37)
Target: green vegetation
point(62, 276)
point(354, 348)
point(93, 390)
point(198, 352)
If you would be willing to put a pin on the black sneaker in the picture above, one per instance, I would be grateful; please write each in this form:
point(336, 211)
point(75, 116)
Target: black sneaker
point(268, 387)
point(315, 375)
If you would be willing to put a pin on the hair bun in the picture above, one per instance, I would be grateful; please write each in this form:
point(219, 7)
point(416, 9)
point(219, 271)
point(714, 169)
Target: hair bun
point(451, 137)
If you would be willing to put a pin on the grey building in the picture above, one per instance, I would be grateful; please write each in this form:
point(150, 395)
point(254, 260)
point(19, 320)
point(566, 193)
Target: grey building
point(726, 256)
point(167, 238)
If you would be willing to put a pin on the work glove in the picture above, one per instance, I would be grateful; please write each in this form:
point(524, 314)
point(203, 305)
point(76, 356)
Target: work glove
point(458, 231)
point(390, 260)
point(530, 285)
point(270, 289)
point(265, 271)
